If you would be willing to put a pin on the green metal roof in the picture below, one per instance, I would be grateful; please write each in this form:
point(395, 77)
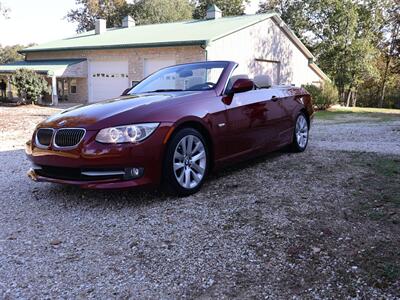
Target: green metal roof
point(47, 67)
point(192, 32)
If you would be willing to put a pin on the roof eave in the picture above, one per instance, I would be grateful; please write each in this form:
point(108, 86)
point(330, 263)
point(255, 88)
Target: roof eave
point(45, 71)
point(320, 73)
point(121, 46)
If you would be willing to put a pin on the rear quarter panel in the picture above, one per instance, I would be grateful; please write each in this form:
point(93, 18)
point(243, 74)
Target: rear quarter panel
point(295, 100)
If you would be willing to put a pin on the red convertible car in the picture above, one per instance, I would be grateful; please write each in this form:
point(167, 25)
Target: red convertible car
point(171, 129)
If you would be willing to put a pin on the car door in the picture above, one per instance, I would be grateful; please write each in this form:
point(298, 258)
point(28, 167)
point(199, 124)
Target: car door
point(253, 121)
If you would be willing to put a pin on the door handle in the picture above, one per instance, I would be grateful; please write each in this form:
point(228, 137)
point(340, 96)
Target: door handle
point(274, 98)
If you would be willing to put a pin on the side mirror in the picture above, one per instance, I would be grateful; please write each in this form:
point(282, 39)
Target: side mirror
point(241, 86)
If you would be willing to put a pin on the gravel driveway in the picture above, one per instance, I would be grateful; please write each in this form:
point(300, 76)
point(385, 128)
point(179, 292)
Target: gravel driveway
point(284, 225)
point(358, 133)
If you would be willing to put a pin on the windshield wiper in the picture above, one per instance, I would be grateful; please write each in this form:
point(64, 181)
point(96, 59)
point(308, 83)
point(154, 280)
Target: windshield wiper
point(165, 90)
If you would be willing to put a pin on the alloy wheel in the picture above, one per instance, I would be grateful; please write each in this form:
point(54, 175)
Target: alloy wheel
point(301, 131)
point(189, 161)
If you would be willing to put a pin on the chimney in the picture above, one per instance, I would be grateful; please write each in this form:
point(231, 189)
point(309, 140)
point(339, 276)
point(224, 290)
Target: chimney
point(213, 12)
point(101, 26)
point(128, 22)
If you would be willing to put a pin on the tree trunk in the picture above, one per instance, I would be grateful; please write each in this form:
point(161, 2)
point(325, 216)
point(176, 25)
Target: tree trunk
point(384, 80)
point(354, 100)
point(348, 99)
point(349, 94)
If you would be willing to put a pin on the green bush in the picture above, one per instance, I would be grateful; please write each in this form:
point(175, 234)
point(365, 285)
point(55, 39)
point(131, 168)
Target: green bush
point(323, 97)
point(29, 85)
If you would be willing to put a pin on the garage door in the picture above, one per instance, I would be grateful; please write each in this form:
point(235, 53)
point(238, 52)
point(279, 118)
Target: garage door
point(152, 65)
point(107, 79)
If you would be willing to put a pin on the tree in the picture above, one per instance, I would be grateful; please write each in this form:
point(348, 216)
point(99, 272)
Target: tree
point(228, 7)
point(29, 84)
point(291, 11)
point(390, 48)
point(143, 11)
point(10, 54)
point(161, 11)
point(341, 33)
point(89, 10)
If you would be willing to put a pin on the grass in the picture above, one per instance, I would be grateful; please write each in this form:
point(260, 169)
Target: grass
point(383, 189)
point(380, 203)
point(381, 263)
point(380, 114)
point(365, 110)
point(387, 167)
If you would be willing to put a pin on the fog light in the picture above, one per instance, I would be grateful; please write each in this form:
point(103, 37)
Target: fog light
point(133, 173)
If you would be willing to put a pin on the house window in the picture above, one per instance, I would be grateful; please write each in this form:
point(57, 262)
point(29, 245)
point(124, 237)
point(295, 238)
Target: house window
point(73, 86)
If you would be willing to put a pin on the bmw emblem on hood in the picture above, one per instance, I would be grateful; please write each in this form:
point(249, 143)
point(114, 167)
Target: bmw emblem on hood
point(62, 123)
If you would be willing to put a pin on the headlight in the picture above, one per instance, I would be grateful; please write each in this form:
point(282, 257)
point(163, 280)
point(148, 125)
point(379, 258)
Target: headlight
point(126, 134)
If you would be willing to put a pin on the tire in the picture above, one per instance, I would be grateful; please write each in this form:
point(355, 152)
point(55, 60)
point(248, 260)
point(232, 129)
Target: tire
point(300, 134)
point(186, 163)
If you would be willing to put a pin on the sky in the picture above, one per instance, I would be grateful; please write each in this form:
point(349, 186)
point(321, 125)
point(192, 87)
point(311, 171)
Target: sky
point(35, 21)
point(40, 21)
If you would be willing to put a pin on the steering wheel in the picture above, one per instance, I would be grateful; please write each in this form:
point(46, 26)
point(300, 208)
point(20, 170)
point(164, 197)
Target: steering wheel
point(210, 84)
point(203, 86)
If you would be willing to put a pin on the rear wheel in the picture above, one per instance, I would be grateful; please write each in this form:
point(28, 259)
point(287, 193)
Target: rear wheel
point(301, 134)
point(186, 162)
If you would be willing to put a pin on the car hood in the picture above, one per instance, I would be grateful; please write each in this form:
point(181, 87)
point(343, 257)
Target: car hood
point(119, 111)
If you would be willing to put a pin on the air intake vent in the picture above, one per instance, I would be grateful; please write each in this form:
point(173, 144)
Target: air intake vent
point(43, 137)
point(69, 137)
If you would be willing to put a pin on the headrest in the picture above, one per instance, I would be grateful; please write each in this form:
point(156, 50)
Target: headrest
point(263, 81)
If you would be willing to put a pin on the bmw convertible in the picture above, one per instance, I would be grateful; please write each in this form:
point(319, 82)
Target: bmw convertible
point(171, 130)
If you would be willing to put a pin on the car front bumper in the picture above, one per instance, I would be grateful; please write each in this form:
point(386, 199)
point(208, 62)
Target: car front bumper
point(91, 157)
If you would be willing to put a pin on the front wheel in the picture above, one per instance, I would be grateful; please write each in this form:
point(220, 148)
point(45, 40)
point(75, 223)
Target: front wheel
point(186, 162)
point(301, 133)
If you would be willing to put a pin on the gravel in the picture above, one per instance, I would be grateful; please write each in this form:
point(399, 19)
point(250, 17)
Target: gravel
point(272, 228)
point(376, 137)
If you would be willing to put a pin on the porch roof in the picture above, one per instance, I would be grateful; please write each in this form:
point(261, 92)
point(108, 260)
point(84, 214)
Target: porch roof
point(46, 67)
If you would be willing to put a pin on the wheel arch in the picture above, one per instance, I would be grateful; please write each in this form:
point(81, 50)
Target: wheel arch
point(305, 112)
point(199, 125)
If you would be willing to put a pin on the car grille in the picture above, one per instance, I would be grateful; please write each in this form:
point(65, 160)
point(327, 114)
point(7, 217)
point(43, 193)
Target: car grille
point(68, 137)
point(43, 136)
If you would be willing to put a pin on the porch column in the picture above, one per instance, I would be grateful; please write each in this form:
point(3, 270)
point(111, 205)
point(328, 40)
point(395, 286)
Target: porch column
point(63, 89)
point(68, 88)
point(54, 95)
point(9, 91)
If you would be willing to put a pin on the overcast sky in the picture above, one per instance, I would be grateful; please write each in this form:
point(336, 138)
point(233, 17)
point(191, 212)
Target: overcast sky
point(40, 21)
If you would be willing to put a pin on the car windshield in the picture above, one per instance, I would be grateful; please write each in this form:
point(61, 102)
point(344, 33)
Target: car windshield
point(188, 77)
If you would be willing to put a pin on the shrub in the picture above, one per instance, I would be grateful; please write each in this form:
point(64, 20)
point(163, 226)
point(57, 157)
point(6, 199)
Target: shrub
point(323, 97)
point(29, 84)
